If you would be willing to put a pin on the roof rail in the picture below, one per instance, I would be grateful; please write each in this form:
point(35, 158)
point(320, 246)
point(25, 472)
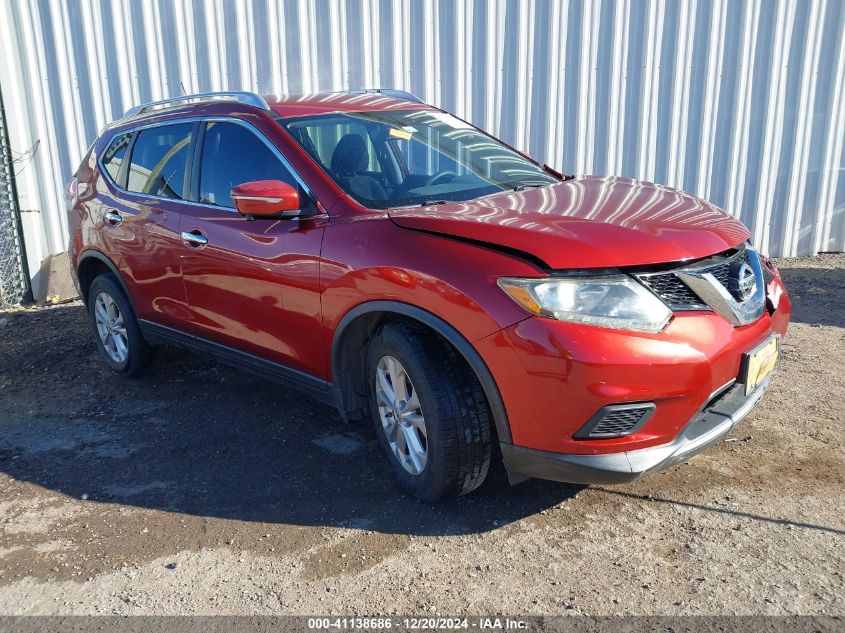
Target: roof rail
point(391, 92)
point(247, 98)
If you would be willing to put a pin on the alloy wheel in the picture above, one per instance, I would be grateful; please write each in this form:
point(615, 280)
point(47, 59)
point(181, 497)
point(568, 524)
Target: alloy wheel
point(402, 419)
point(111, 328)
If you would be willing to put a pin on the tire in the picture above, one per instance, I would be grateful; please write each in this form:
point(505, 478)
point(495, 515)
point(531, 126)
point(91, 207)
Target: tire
point(126, 352)
point(454, 410)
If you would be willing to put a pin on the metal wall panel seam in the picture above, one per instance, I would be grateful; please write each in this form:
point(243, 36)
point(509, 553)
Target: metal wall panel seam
point(711, 98)
point(833, 154)
point(586, 122)
point(740, 130)
point(798, 172)
point(619, 82)
point(680, 96)
point(92, 18)
point(648, 135)
point(524, 73)
point(774, 129)
point(557, 80)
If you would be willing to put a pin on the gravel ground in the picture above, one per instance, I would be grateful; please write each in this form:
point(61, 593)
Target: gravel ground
point(200, 489)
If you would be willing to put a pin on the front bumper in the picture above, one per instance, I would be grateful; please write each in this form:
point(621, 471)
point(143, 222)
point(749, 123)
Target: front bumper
point(555, 376)
point(706, 428)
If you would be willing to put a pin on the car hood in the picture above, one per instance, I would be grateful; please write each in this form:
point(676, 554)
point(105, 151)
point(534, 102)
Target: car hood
point(587, 222)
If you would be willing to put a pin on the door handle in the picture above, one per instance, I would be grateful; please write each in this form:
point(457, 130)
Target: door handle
point(113, 217)
point(194, 238)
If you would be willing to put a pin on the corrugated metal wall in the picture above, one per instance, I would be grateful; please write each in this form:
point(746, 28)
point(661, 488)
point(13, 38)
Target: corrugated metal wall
point(742, 102)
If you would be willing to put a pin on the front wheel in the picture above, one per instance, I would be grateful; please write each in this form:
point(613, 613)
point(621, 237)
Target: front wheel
point(430, 412)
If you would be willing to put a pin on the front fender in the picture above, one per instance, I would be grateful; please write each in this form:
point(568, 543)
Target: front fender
point(464, 348)
point(375, 260)
point(373, 268)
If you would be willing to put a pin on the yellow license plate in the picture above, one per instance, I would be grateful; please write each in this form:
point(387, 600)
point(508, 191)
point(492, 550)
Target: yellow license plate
point(760, 362)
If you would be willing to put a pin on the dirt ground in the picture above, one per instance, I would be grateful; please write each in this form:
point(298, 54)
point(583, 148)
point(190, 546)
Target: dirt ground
point(204, 490)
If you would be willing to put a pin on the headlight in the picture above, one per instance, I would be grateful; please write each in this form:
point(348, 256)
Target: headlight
point(616, 302)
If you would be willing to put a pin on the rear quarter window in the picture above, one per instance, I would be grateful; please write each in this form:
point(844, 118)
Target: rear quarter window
point(114, 154)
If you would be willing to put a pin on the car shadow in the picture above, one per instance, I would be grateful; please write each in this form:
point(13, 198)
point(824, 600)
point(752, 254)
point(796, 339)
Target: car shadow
point(817, 295)
point(196, 437)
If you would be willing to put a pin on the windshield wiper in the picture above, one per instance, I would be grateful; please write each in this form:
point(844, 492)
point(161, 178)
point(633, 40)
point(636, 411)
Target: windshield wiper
point(530, 185)
point(431, 203)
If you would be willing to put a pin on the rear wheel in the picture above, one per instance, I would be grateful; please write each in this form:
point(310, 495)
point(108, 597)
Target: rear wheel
point(429, 411)
point(115, 328)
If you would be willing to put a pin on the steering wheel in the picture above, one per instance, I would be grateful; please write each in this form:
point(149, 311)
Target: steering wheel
point(435, 179)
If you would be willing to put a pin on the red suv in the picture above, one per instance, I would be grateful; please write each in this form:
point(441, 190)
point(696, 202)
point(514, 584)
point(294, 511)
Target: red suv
point(397, 262)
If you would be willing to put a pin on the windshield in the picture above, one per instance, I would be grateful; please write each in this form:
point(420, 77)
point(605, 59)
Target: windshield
point(406, 157)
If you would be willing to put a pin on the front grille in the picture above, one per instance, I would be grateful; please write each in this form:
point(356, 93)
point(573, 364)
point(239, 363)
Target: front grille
point(677, 295)
point(673, 291)
point(616, 420)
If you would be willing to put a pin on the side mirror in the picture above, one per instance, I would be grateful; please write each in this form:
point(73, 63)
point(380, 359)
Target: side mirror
point(266, 199)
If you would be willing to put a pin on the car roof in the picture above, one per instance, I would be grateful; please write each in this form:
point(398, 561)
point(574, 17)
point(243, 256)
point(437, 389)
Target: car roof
point(287, 106)
point(350, 101)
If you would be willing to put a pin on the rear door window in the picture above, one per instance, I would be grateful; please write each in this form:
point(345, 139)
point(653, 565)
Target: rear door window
point(160, 160)
point(233, 155)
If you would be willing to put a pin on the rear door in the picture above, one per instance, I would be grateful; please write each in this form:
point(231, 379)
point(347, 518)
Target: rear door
point(141, 222)
point(252, 285)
